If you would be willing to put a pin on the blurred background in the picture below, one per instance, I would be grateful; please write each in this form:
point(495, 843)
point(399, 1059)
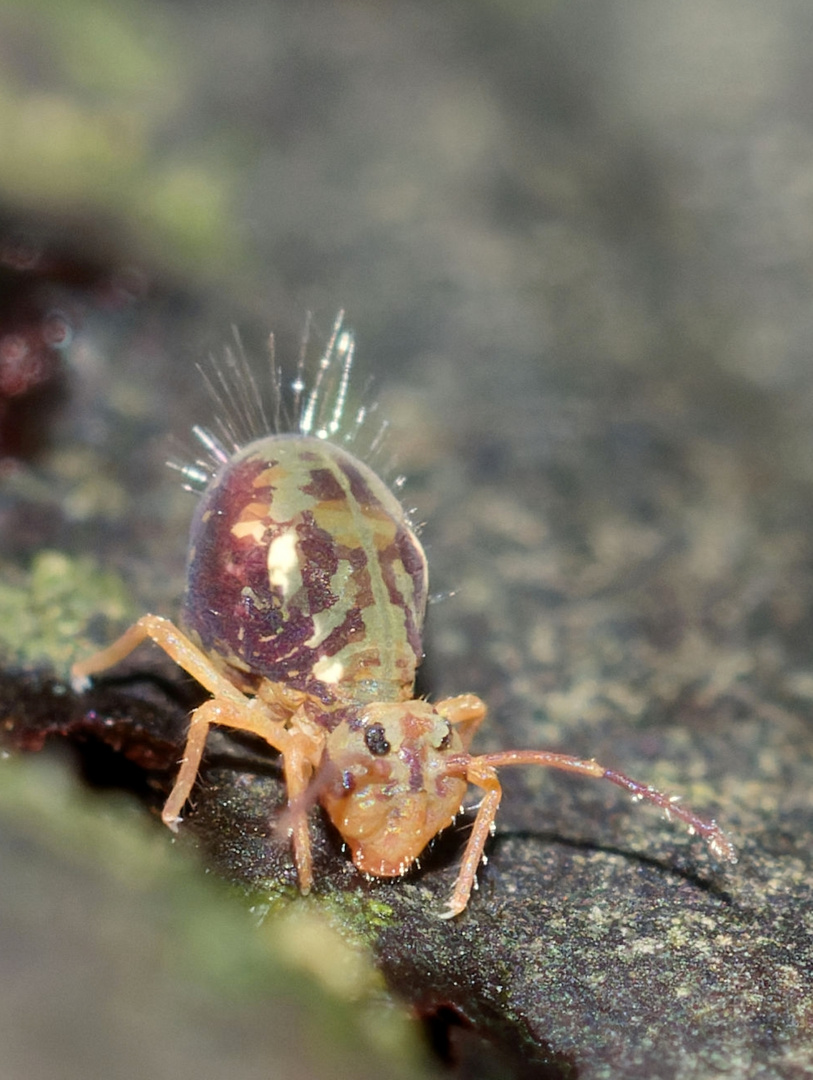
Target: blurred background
point(575, 240)
point(511, 200)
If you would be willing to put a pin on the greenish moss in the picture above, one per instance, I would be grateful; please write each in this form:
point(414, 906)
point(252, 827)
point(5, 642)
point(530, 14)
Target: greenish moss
point(45, 612)
point(94, 140)
point(354, 915)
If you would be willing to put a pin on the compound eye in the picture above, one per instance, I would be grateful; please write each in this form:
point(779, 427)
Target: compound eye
point(376, 740)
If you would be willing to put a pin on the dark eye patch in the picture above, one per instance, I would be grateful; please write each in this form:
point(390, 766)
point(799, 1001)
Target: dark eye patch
point(376, 740)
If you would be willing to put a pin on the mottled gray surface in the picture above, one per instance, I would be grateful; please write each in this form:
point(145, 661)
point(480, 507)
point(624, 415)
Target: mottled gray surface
point(576, 243)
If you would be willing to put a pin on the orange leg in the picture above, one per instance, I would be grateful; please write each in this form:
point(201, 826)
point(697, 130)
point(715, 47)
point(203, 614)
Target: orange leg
point(485, 777)
point(243, 717)
point(174, 643)
point(228, 708)
point(210, 712)
point(297, 758)
point(466, 712)
point(302, 756)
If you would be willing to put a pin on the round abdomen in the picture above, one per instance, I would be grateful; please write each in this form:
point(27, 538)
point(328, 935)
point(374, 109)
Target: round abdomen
point(303, 569)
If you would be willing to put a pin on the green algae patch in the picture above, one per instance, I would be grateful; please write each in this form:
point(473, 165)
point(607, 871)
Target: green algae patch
point(352, 914)
point(355, 915)
point(45, 612)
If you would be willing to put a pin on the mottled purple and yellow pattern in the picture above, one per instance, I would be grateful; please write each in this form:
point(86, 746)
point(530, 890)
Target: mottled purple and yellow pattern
point(304, 570)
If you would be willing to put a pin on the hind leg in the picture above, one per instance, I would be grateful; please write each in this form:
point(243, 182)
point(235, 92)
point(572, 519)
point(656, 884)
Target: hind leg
point(174, 643)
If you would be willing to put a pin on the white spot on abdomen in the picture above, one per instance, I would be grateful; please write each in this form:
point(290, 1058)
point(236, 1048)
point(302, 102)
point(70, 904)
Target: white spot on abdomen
point(283, 563)
point(328, 669)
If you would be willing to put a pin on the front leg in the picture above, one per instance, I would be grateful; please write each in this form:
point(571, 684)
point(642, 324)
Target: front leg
point(199, 722)
point(241, 716)
point(298, 749)
point(299, 761)
point(485, 777)
point(269, 716)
